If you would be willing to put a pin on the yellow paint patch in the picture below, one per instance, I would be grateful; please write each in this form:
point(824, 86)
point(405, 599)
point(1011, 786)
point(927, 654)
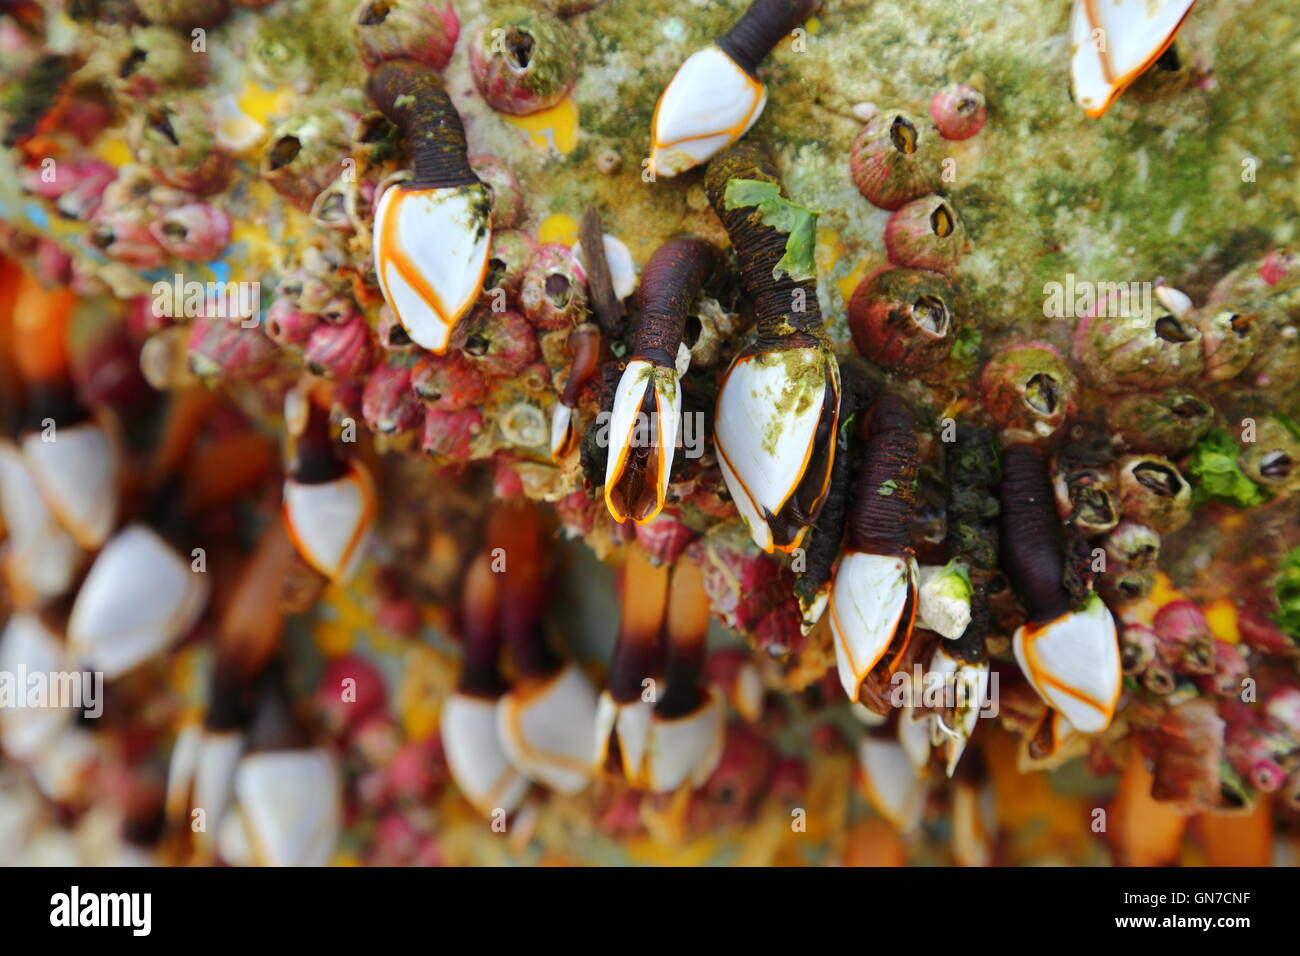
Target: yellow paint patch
point(555, 128)
point(113, 150)
point(851, 281)
point(558, 227)
point(427, 678)
point(1164, 591)
point(813, 25)
point(1221, 615)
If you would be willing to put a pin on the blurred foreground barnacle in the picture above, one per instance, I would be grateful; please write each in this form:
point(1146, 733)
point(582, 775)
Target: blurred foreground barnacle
point(895, 159)
point(1165, 423)
point(778, 407)
point(902, 319)
point(469, 726)
point(958, 111)
point(508, 261)
point(647, 402)
point(1273, 458)
point(305, 155)
point(1133, 545)
point(1229, 341)
point(405, 30)
point(1069, 655)
point(1029, 390)
point(40, 558)
point(874, 597)
point(1112, 44)
point(196, 231)
point(329, 502)
point(715, 96)
point(1153, 492)
point(433, 231)
point(177, 141)
point(523, 60)
point(1137, 351)
point(185, 14)
point(925, 233)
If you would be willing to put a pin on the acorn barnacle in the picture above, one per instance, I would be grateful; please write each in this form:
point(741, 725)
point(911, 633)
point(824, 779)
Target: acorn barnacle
point(903, 319)
point(895, 159)
point(925, 234)
point(523, 60)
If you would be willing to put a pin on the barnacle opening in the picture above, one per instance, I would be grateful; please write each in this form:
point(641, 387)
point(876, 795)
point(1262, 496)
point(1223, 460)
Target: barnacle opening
point(173, 229)
point(1093, 506)
point(931, 314)
point(942, 221)
point(1239, 324)
point(1043, 393)
point(373, 14)
point(1189, 409)
point(132, 62)
point(1276, 465)
point(1169, 61)
point(160, 123)
point(519, 48)
point(903, 135)
point(1172, 330)
point(283, 152)
point(1158, 479)
point(558, 289)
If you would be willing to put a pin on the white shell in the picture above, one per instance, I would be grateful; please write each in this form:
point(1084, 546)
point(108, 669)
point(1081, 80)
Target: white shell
point(868, 599)
point(139, 598)
point(27, 645)
point(291, 806)
point(939, 606)
point(236, 130)
point(561, 429)
point(866, 716)
point(478, 764)
point(437, 238)
point(1073, 663)
point(763, 439)
point(891, 782)
point(232, 840)
point(1067, 743)
point(61, 766)
point(622, 270)
point(330, 521)
point(214, 779)
point(687, 749)
point(709, 104)
point(626, 429)
point(969, 686)
point(748, 693)
point(1113, 41)
point(914, 736)
point(42, 555)
point(548, 730)
point(77, 473)
point(631, 724)
point(1178, 303)
point(20, 814)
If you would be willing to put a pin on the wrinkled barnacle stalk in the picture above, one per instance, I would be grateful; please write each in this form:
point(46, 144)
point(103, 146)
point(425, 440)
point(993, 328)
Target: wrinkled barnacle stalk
point(873, 600)
point(715, 97)
point(778, 408)
point(624, 712)
point(477, 761)
point(329, 501)
point(433, 232)
point(546, 721)
point(648, 400)
point(585, 345)
point(1069, 655)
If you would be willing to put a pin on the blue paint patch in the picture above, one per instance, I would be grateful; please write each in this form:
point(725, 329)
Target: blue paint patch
point(38, 216)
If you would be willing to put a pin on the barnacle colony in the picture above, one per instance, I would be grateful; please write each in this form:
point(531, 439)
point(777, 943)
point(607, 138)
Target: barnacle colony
point(799, 372)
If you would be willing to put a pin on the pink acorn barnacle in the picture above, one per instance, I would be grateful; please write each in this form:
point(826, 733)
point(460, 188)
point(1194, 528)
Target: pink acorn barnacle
point(895, 159)
point(155, 59)
point(1167, 423)
point(177, 141)
point(450, 434)
point(405, 30)
point(448, 382)
point(124, 235)
point(388, 404)
point(511, 254)
point(1135, 351)
point(339, 351)
point(304, 155)
point(958, 111)
point(220, 347)
point(925, 233)
point(523, 60)
point(1029, 389)
point(1229, 340)
point(287, 325)
point(197, 231)
point(502, 344)
point(185, 14)
point(508, 208)
point(901, 318)
point(554, 288)
point(1153, 492)
point(664, 537)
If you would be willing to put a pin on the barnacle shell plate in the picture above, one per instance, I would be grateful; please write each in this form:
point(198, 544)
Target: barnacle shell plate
point(474, 754)
point(890, 782)
point(687, 748)
point(27, 642)
point(548, 730)
point(625, 430)
point(139, 597)
point(289, 801)
point(868, 599)
point(77, 474)
point(631, 722)
point(330, 521)
point(431, 254)
point(1134, 33)
point(1073, 663)
point(709, 104)
point(42, 555)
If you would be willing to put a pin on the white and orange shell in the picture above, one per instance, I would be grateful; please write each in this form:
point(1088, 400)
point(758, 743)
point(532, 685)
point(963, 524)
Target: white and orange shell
point(873, 597)
point(1063, 741)
point(431, 255)
point(564, 437)
point(139, 598)
point(968, 683)
point(622, 268)
point(686, 749)
point(28, 645)
point(629, 428)
point(201, 776)
point(77, 472)
point(1112, 42)
point(478, 763)
point(890, 782)
point(914, 735)
point(547, 729)
point(708, 104)
point(42, 556)
point(765, 426)
point(330, 521)
point(1073, 663)
point(630, 725)
point(290, 802)
point(747, 692)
